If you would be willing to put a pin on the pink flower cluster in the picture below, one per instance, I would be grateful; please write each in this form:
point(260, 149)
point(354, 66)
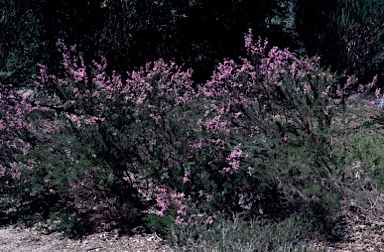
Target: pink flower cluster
point(234, 160)
point(165, 200)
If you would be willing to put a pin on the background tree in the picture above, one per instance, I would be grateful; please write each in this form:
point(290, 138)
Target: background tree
point(360, 26)
point(316, 34)
point(21, 40)
point(130, 33)
point(347, 34)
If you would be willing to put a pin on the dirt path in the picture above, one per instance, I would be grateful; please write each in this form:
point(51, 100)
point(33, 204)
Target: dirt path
point(363, 232)
point(27, 240)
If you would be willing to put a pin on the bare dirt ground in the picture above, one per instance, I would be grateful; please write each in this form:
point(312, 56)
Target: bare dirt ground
point(363, 230)
point(14, 239)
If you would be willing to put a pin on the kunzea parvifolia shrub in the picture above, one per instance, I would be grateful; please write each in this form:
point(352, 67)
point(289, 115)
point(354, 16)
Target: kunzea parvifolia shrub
point(255, 135)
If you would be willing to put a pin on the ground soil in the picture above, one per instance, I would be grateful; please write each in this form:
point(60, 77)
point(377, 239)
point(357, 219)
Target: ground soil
point(362, 230)
point(15, 239)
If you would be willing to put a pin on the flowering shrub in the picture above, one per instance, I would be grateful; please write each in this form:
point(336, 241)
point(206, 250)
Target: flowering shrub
point(256, 136)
